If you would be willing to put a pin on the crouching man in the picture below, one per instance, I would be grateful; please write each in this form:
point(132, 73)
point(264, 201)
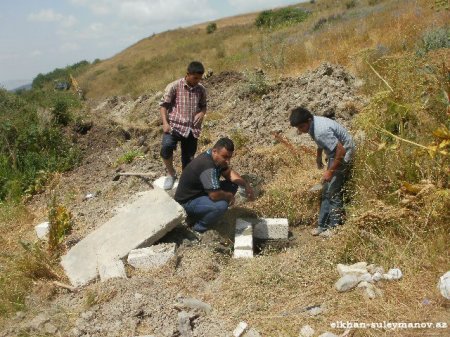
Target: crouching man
point(201, 192)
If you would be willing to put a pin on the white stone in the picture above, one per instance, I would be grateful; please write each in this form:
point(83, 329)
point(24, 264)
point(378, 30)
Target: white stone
point(151, 257)
point(377, 276)
point(147, 219)
point(252, 333)
point(356, 269)
point(365, 277)
point(346, 283)
point(328, 334)
point(393, 274)
point(112, 268)
point(240, 329)
point(306, 331)
point(444, 285)
point(42, 230)
point(271, 229)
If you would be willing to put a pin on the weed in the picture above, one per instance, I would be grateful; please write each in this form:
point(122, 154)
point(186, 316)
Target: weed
point(129, 157)
point(60, 220)
point(256, 84)
point(433, 39)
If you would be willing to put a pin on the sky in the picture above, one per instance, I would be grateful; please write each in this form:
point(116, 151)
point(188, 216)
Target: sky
point(37, 36)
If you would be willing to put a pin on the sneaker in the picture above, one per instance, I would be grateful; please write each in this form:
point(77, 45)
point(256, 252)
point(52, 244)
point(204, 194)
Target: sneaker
point(169, 181)
point(199, 228)
point(318, 230)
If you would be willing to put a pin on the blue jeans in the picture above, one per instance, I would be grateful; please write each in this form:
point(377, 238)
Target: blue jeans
point(188, 146)
point(332, 206)
point(206, 212)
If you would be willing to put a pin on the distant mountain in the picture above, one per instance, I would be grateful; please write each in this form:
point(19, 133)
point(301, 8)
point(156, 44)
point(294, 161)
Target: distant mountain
point(22, 88)
point(14, 85)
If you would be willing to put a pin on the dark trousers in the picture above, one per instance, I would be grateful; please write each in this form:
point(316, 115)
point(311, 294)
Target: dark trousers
point(188, 146)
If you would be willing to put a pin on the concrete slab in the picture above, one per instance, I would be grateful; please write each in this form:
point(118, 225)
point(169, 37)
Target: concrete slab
point(243, 240)
point(148, 218)
point(151, 257)
point(271, 229)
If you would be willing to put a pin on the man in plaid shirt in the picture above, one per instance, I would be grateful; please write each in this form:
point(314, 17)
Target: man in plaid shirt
point(183, 108)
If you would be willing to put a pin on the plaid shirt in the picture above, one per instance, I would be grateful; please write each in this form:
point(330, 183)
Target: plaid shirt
point(183, 103)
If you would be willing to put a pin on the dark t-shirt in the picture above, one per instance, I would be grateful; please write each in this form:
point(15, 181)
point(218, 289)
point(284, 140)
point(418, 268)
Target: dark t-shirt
point(198, 178)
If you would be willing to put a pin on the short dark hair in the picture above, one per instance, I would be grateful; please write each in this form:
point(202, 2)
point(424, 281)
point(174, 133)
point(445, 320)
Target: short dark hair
point(196, 67)
point(224, 142)
point(299, 115)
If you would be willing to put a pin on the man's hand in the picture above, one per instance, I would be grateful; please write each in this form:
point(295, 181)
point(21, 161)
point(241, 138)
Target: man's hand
point(250, 193)
point(198, 118)
point(166, 128)
point(327, 175)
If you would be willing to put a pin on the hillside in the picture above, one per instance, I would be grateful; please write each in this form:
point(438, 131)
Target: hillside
point(381, 68)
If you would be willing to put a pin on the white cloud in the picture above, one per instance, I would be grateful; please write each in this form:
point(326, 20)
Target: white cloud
point(49, 15)
point(69, 47)
point(36, 53)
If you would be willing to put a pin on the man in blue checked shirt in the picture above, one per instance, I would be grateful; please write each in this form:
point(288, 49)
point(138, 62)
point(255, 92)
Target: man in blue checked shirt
point(339, 148)
point(201, 192)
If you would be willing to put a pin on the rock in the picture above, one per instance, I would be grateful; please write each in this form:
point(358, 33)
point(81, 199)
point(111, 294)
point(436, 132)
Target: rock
point(252, 333)
point(193, 303)
point(370, 291)
point(444, 285)
point(42, 230)
point(346, 283)
point(357, 269)
point(328, 334)
point(315, 310)
point(151, 257)
point(377, 276)
point(306, 331)
point(240, 329)
point(365, 277)
point(50, 329)
point(76, 332)
point(38, 321)
point(393, 274)
point(184, 324)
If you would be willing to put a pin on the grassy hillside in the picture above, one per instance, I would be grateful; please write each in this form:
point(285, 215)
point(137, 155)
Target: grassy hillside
point(344, 32)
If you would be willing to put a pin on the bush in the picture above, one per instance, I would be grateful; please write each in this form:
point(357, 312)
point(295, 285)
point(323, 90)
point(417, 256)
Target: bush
point(60, 112)
point(128, 157)
point(27, 148)
point(211, 28)
point(280, 17)
point(434, 39)
point(256, 84)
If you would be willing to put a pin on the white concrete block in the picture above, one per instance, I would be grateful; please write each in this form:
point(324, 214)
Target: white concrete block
point(109, 269)
point(271, 229)
point(42, 230)
point(147, 219)
point(151, 257)
point(240, 329)
point(243, 240)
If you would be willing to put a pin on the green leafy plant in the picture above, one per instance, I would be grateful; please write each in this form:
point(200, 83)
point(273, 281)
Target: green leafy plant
point(211, 28)
point(128, 157)
point(280, 17)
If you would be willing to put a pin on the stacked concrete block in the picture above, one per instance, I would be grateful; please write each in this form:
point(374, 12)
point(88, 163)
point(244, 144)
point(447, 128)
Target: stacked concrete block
point(243, 240)
point(151, 257)
point(271, 229)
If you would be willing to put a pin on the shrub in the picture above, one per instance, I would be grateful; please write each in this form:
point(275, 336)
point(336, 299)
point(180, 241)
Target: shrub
point(128, 157)
point(434, 39)
point(280, 17)
point(60, 112)
point(256, 84)
point(211, 28)
point(60, 224)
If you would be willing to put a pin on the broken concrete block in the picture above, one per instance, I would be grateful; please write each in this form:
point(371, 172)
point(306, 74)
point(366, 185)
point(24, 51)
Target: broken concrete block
point(151, 257)
point(444, 285)
point(306, 331)
point(271, 229)
point(356, 269)
point(147, 219)
point(42, 230)
point(243, 240)
point(112, 268)
point(346, 283)
point(240, 329)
